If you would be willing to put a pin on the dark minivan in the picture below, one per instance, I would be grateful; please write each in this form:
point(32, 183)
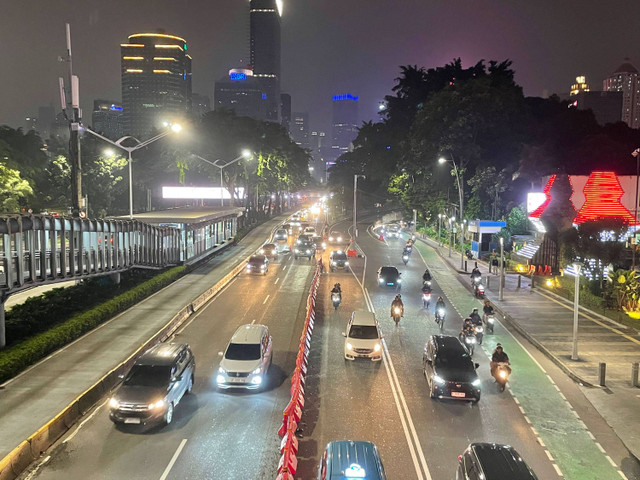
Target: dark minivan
point(492, 461)
point(154, 386)
point(449, 369)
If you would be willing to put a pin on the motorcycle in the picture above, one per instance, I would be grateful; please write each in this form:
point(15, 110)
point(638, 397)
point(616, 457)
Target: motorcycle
point(468, 253)
point(491, 320)
point(397, 314)
point(427, 283)
point(479, 331)
point(439, 316)
point(426, 298)
point(502, 375)
point(405, 258)
point(468, 339)
point(336, 298)
point(478, 290)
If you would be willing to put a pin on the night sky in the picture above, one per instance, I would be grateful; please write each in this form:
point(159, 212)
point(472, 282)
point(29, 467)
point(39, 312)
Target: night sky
point(328, 46)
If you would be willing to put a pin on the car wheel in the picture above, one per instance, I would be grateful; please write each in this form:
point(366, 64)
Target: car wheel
point(190, 385)
point(168, 415)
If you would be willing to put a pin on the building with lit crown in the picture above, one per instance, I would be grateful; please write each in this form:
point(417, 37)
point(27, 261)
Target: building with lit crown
point(264, 44)
point(241, 92)
point(106, 118)
point(345, 123)
point(156, 81)
point(581, 85)
point(625, 79)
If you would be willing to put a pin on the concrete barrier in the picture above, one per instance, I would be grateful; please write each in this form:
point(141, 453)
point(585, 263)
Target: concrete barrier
point(30, 449)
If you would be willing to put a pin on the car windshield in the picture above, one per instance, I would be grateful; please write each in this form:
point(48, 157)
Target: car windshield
point(243, 351)
point(269, 246)
point(336, 234)
point(339, 256)
point(281, 232)
point(256, 260)
point(390, 271)
point(365, 332)
point(451, 359)
point(148, 376)
point(305, 245)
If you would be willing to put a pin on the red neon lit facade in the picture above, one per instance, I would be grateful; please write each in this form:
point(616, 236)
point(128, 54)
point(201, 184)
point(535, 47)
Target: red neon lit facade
point(602, 194)
point(537, 213)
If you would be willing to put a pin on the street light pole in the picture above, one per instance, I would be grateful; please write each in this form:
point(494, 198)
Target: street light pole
point(576, 304)
point(439, 225)
point(245, 154)
point(118, 143)
point(459, 173)
point(501, 290)
point(451, 238)
point(636, 153)
point(355, 191)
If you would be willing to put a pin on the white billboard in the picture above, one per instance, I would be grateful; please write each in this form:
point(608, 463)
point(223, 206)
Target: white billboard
point(199, 192)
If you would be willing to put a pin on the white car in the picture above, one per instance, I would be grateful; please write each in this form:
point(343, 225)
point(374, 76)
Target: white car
point(336, 237)
point(363, 337)
point(247, 358)
point(310, 230)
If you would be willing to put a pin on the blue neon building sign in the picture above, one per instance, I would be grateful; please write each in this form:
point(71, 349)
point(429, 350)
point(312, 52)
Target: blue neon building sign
point(116, 108)
point(346, 96)
point(237, 76)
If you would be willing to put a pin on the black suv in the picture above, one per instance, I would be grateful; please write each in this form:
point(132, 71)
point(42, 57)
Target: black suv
point(492, 461)
point(449, 370)
point(304, 248)
point(258, 264)
point(156, 383)
point(389, 277)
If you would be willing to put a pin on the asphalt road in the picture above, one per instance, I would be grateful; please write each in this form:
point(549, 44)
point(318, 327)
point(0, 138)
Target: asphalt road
point(215, 434)
point(387, 402)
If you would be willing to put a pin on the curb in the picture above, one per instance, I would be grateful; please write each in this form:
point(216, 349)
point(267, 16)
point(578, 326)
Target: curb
point(33, 447)
point(516, 326)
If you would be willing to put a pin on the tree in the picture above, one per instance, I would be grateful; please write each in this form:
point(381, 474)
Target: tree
point(13, 189)
point(517, 221)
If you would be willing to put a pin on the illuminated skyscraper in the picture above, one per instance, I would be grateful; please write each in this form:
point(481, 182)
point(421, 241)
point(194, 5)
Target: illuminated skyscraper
point(156, 81)
point(625, 79)
point(580, 86)
point(106, 118)
point(265, 50)
point(345, 123)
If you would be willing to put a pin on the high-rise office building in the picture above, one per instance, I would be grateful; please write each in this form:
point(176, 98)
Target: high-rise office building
point(265, 50)
point(345, 123)
point(200, 104)
point(285, 110)
point(300, 129)
point(625, 79)
point(606, 106)
point(156, 81)
point(241, 92)
point(106, 118)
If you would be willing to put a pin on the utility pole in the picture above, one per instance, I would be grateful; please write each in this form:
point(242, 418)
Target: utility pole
point(355, 192)
point(73, 113)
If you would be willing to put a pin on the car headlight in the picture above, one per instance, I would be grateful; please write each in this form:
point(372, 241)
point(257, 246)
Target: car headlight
point(220, 379)
point(324, 245)
point(346, 264)
point(333, 264)
point(308, 251)
point(257, 380)
point(262, 251)
point(221, 370)
point(339, 239)
point(114, 403)
point(261, 267)
point(476, 382)
point(297, 251)
point(381, 280)
point(399, 280)
point(376, 347)
point(331, 239)
point(158, 404)
point(439, 380)
point(248, 267)
point(349, 346)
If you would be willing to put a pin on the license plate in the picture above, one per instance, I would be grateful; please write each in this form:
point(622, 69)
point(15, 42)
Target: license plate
point(458, 394)
point(236, 380)
point(132, 420)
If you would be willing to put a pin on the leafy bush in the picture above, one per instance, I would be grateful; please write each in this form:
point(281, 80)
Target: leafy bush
point(18, 357)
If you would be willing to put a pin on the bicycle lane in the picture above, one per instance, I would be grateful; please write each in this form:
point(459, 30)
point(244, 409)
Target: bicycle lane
point(558, 427)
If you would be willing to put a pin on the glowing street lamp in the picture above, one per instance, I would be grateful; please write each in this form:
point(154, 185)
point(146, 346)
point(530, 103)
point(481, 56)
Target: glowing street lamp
point(459, 180)
point(246, 154)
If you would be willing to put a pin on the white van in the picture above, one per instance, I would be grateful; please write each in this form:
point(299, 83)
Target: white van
point(363, 337)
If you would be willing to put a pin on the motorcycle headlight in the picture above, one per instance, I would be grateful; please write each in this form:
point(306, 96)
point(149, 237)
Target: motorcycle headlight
point(349, 346)
point(440, 311)
point(470, 340)
point(376, 347)
point(439, 380)
point(476, 382)
point(396, 310)
point(479, 329)
point(503, 374)
point(491, 319)
point(405, 257)
point(324, 245)
point(114, 403)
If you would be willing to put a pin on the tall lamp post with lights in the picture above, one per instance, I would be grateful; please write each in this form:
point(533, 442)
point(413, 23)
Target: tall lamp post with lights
point(355, 191)
point(118, 143)
point(635, 153)
point(246, 154)
point(460, 182)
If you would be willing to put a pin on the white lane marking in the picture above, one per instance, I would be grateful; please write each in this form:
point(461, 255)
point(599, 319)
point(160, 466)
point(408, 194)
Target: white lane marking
point(173, 460)
point(267, 298)
point(622, 475)
point(253, 321)
point(600, 447)
point(558, 471)
point(75, 432)
point(35, 470)
point(549, 456)
point(285, 267)
point(277, 280)
point(611, 461)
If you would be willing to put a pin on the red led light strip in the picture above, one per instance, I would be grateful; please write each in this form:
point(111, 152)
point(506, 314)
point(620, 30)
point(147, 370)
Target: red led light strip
point(602, 194)
point(537, 213)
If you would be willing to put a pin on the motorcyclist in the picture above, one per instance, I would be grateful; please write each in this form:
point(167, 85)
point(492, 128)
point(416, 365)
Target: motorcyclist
point(475, 273)
point(440, 304)
point(487, 310)
point(397, 302)
point(475, 317)
point(467, 325)
point(336, 289)
point(426, 276)
point(426, 288)
point(499, 356)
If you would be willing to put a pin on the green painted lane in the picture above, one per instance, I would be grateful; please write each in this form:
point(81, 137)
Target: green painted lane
point(564, 434)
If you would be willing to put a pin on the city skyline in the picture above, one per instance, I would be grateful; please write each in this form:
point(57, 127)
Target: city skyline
point(327, 46)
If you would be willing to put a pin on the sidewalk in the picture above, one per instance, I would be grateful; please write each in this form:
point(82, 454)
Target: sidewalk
point(546, 320)
point(37, 395)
